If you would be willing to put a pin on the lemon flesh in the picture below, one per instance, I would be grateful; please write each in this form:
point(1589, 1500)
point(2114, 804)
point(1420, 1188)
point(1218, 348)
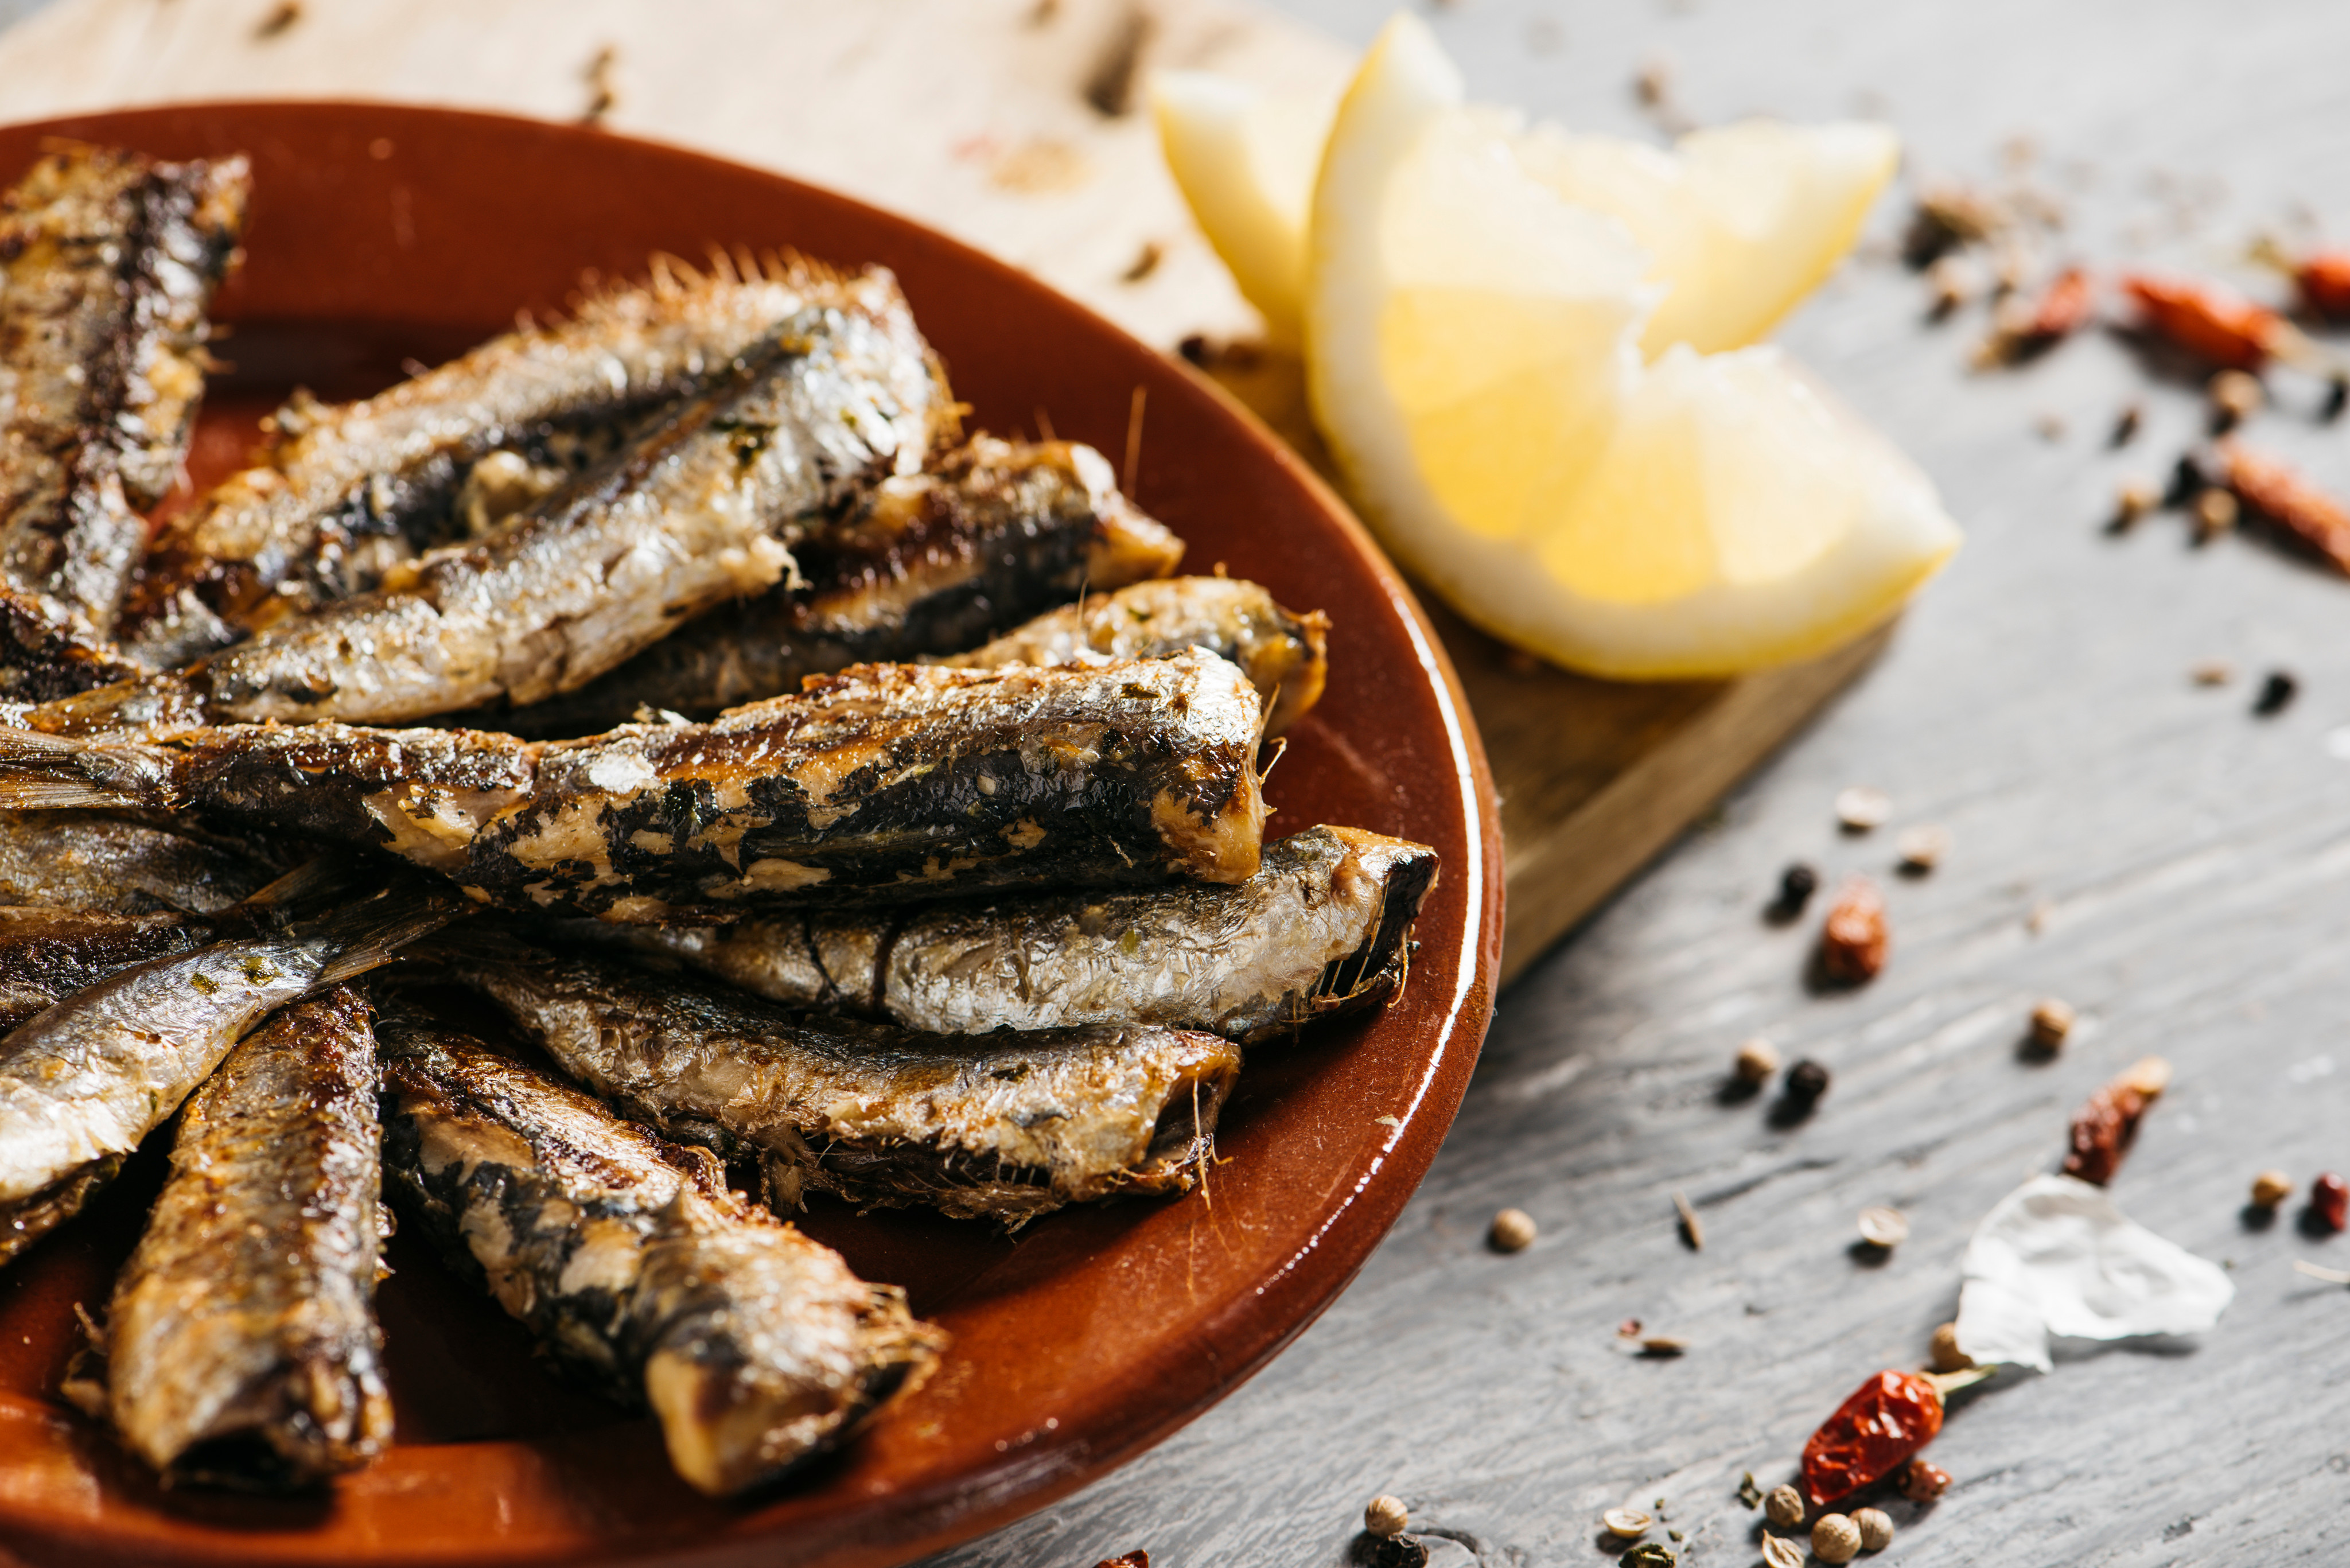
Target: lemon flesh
point(1472, 359)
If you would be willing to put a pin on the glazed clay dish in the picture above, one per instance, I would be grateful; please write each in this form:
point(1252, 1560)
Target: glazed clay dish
point(381, 237)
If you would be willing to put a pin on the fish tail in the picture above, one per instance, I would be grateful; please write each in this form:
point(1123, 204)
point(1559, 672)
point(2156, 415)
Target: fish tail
point(371, 931)
point(53, 773)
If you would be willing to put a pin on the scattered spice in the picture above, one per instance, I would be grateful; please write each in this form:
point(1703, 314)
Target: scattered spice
point(603, 86)
point(1922, 849)
point(1748, 1492)
point(2271, 1187)
point(281, 17)
point(1875, 1528)
point(1806, 1081)
point(1861, 808)
point(1513, 1231)
point(2214, 672)
point(1757, 1059)
point(1663, 1346)
point(2186, 479)
point(2126, 427)
point(2048, 427)
point(1780, 1553)
point(1146, 262)
point(2278, 492)
point(1885, 1422)
point(1653, 88)
point(2052, 1021)
point(1835, 1539)
point(1400, 1551)
point(1136, 1559)
point(1945, 1354)
point(1922, 1481)
point(1882, 1227)
point(2236, 395)
point(2104, 1129)
point(2277, 692)
point(1648, 1554)
point(2021, 331)
point(2323, 280)
point(1953, 284)
point(1797, 883)
point(2337, 397)
point(2215, 513)
point(1628, 1329)
point(1385, 1515)
point(1109, 86)
point(1784, 1507)
point(1948, 216)
point(1853, 941)
point(1691, 1231)
point(2329, 1201)
point(2214, 323)
point(1627, 1522)
point(2133, 500)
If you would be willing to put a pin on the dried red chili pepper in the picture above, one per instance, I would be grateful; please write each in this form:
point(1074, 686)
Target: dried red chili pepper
point(2324, 280)
point(2329, 1200)
point(2215, 323)
point(2281, 495)
point(1888, 1420)
point(2104, 1129)
point(1853, 941)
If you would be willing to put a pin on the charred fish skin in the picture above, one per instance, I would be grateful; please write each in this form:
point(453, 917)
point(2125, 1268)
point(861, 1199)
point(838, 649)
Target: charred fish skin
point(1286, 656)
point(81, 1083)
point(47, 955)
point(108, 261)
point(705, 508)
point(885, 782)
point(241, 1347)
point(96, 862)
point(1001, 1127)
point(1321, 931)
point(338, 477)
point(927, 563)
point(631, 1261)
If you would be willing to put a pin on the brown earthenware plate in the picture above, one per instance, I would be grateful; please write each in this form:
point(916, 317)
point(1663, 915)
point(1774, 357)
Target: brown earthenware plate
point(381, 236)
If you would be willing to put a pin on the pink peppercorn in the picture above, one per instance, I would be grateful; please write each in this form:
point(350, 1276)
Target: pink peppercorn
point(2329, 1200)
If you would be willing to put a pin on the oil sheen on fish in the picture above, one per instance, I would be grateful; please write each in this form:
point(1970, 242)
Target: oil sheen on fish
point(47, 955)
point(1005, 1126)
point(1284, 655)
point(631, 1261)
point(82, 1082)
point(1321, 929)
point(703, 509)
point(338, 497)
point(92, 861)
point(886, 781)
point(108, 261)
point(927, 562)
point(241, 1345)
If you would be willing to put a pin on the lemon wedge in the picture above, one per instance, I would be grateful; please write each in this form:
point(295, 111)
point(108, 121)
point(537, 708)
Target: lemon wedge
point(1472, 360)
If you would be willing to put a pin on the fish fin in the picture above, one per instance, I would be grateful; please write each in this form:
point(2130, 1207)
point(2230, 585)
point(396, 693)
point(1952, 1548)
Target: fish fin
point(371, 931)
point(300, 886)
point(51, 773)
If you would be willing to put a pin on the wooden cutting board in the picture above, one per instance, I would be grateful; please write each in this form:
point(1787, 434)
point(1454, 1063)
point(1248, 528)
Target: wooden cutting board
point(1018, 126)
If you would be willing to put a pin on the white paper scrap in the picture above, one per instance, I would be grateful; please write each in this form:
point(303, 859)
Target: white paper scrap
point(2055, 1257)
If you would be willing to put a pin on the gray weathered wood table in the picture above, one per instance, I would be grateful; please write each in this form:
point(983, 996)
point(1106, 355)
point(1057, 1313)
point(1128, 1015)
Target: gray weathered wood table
point(2188, 865)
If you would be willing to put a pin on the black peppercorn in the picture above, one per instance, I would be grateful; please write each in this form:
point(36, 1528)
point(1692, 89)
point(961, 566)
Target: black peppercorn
point(1797, 883)
point(1806, 1081)
point(2276, 691)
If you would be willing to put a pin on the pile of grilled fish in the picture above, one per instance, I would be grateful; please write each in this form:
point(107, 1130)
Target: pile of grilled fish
point(654, 758)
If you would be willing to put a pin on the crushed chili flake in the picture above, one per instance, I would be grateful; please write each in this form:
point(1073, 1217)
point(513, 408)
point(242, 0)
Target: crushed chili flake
point(1853, 941)
point(1131, 1560)
point(2063, 307)
point(2323, 278)
point(2280, 492)
point(2104, 1129)
point(2214, 323)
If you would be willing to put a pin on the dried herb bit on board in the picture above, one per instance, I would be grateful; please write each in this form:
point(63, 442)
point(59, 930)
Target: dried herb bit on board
point(1648, 1554)
point(1880, 1428)
point(1385, 1515)
point(1748, 1492)
point(1692, 1232)
point(2104, 1129)
point(1853, 939)
point(2277, 692)
point(2276, 491)
point(2329, 1201)
point(1920, 1481)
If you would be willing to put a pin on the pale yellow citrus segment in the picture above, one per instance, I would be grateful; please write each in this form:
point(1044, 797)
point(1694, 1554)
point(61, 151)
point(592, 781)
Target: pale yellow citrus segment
point(1245, 160)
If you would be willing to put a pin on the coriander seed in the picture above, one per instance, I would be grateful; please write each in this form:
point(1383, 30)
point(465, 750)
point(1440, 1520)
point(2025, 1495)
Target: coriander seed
point(1627, 1522)
point(1513, 1231)
point(2133, 501)
point(1835, 1539)
point(2271, 1187)
point(1783, 1506)
point(1875, 1528)
point(1806, 1081)
point(1757, 1059)
point(1882, 1227)
point(1861, 808)
point(2052, 1021)
point(1778, 1552)
point(2216, 511)
point(1922, 849)
point(1385, 1515)
point(2235, 397)
point(1945, 1354)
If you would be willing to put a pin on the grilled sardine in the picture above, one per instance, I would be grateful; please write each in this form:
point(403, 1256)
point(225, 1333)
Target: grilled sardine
point(1284, 655)
point(703, 509)
point(1319, 930)
point(241, 1348)
point(82, 1082)
point(108, 261)
point(339, 497)
point(630, 1260)
point(886, 781)
point(1002, 1126)
point(928, 562)
point(47, 955)
point(89, 860)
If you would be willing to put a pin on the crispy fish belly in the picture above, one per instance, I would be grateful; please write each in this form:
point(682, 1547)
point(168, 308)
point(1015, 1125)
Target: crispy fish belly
point(1005, 1126)
point(1321, 929)
point(927, 562)
point(630, 1260)
point(241, 1347)
point(108, 261)
point(703, 509)
point(886, 781)
point(1284, 655)
point(82, 1082)
point(47, 955)
point(94, 862)
point(345, 490)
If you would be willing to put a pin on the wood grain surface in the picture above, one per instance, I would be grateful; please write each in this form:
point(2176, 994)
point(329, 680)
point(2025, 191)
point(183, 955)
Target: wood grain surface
point(2122, 837)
